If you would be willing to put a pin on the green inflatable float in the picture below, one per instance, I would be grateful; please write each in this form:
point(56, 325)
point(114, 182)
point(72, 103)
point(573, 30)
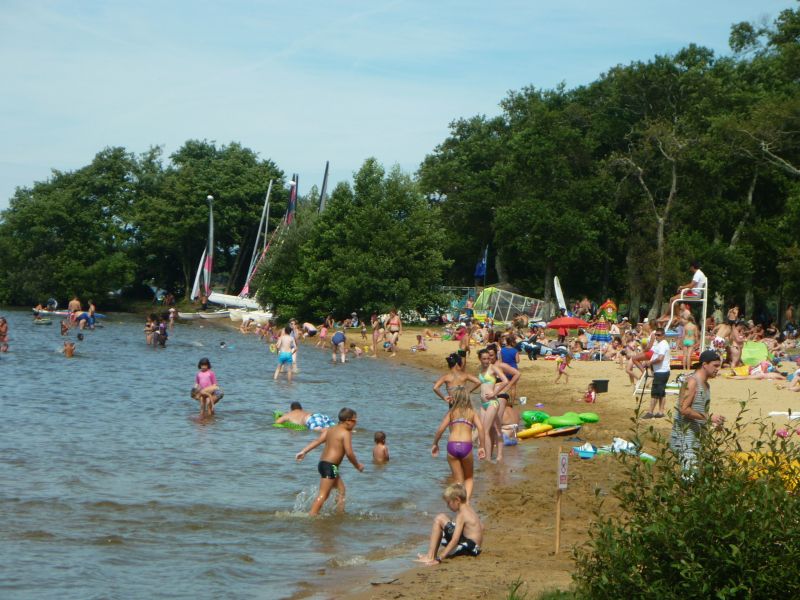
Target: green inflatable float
point(534, 416)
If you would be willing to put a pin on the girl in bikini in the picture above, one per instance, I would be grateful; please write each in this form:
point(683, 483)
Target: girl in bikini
point(462, 421)
point(394, 327)
point(455, 380)
point(493, 403)
point(689, 341)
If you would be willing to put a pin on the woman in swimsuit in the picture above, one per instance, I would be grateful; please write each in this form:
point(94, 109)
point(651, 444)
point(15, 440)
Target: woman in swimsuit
point(493, 382)
point(461, 420)
point(454, 380)
point(394, 327)
point(512, 374)
point(737, 340)
point(3, 335)
point(689, 342)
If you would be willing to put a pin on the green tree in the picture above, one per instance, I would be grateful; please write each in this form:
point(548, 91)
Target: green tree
point(377, 245)
point(172, 220)
point(70, 234)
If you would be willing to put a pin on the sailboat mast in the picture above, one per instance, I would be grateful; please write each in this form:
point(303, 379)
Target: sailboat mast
point(324, 187)
point(261, 225)
point(210, 252)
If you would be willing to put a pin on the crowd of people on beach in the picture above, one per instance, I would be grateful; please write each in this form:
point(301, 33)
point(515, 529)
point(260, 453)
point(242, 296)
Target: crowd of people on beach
point(480, 384)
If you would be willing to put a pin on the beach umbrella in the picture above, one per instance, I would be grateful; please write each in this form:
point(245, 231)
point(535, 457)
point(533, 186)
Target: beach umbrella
point(567, 323)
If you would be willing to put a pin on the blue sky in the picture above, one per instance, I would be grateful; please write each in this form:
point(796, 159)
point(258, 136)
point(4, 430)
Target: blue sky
point(305, 82)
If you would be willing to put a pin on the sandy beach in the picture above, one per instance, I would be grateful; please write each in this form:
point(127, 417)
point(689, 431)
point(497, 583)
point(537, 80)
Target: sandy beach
point(519, 517)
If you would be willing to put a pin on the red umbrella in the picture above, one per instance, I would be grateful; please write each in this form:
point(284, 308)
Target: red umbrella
point(567, 323)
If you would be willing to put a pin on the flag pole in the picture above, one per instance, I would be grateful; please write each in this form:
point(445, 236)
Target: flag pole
point(486, 264)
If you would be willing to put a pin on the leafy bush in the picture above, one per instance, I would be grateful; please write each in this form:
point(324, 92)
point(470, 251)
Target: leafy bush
point(728, 529)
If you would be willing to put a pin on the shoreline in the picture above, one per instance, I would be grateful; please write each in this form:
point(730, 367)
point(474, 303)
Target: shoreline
point(516, 499)
point(517, 504)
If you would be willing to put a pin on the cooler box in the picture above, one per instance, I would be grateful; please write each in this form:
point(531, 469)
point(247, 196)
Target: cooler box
point(600, 385)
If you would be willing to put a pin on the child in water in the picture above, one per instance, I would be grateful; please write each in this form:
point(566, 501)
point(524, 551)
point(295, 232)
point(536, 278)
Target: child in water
point(460, 538)
point(338, 442)
point(206, 390)
point(562, 363)
point(380, 452)
point(462, 421)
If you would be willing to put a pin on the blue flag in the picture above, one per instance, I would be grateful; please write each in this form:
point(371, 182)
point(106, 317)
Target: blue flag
point(480, 268)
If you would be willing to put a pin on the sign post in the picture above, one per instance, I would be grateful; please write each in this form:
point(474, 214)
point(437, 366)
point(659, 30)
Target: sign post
point(563, 477)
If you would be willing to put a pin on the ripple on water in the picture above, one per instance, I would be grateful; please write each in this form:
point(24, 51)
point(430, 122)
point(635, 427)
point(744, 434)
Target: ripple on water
point(114, 488)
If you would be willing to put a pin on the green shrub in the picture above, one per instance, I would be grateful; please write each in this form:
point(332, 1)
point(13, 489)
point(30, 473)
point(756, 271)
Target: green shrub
point(720, 531)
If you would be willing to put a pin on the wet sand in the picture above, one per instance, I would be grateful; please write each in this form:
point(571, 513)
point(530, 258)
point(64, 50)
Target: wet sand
point(519, 517)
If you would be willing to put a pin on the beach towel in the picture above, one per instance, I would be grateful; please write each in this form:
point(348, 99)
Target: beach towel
point(754, 353)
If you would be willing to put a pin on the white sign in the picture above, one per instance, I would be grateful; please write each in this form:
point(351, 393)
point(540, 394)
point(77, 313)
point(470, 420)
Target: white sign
point(563, 469)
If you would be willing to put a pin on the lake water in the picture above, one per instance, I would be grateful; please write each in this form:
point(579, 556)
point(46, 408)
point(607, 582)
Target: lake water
point(111, 487)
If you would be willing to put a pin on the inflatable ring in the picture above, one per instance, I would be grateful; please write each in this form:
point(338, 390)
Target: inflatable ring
point(589, 417)
point(272, 348)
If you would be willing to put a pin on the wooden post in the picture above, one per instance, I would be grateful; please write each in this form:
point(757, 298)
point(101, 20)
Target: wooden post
point(563, 462)
point(558, 520)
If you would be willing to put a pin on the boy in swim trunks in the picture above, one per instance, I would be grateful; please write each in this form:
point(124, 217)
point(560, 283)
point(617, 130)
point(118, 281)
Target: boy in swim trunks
point(460, 538)
point(338, 444)
point(286, 348)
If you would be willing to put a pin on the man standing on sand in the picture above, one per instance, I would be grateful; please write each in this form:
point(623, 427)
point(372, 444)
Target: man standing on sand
point(286, 349)
point(661, 368)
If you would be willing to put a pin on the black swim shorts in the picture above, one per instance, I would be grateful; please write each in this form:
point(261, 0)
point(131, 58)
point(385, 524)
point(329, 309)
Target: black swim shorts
point(328, 470)
point(466, 547)
point(462, 353)
point(659, 387)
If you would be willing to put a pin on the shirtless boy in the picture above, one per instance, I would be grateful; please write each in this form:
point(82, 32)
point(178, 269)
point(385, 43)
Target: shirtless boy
point(462, 537)
point(380, 452)
point(338, 444)
point(286, 348)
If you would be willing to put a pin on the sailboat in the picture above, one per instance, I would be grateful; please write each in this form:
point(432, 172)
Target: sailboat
point(243, 303)
point(203, 275)
point(261, 316)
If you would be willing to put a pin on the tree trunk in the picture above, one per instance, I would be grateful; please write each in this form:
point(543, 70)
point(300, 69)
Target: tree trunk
point(548, 290)
point(749, 303)
point(748, 202)
point(187, 280)
point(635, 286)
point(502, 276)
point(658, 298)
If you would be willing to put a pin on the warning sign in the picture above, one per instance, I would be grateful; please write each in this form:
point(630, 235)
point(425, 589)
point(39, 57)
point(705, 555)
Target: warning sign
point(563, 470)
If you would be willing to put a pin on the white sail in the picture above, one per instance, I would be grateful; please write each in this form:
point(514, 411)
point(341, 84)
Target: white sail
point(196, 286)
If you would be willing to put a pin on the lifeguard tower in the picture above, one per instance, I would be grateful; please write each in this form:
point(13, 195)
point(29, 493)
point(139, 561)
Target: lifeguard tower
point(695, 294)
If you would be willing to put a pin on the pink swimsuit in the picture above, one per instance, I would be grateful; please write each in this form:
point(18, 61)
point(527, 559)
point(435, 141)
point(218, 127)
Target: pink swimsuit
point(205, 379)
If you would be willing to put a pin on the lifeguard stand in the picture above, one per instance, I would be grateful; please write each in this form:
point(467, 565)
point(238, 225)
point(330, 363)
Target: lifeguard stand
point(702, 296)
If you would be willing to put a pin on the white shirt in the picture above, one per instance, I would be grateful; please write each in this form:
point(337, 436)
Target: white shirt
point(661, 349)
point(699, 282)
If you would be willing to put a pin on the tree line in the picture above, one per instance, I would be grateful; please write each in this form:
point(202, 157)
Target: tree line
point(614, 186)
